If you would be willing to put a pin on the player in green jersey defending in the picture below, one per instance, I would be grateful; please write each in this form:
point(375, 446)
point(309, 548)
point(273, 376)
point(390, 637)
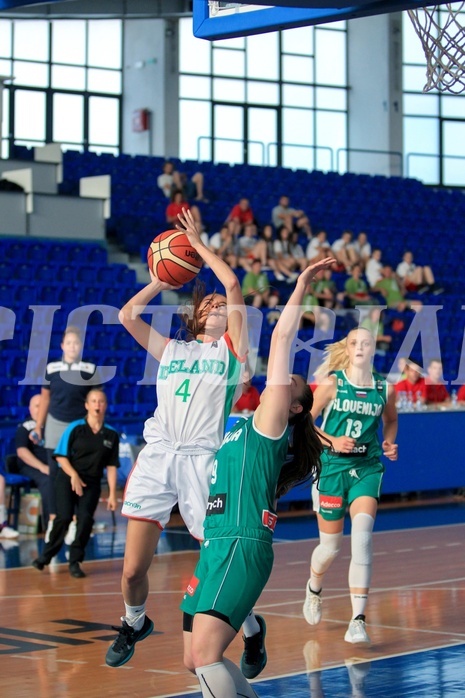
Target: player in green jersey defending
point(354, 400)
point(248, 474)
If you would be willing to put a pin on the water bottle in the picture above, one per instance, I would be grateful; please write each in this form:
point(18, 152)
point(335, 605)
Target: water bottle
point(453, 399)
point(409, 405)
point(37, 441)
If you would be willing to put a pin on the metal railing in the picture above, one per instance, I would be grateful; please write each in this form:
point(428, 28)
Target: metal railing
point(370, 151)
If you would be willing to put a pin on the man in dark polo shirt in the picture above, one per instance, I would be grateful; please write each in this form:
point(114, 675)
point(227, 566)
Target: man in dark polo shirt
point(86, 448)
point(32, 457)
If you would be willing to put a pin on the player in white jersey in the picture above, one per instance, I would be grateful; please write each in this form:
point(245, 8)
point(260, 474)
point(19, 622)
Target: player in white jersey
point(197, 384)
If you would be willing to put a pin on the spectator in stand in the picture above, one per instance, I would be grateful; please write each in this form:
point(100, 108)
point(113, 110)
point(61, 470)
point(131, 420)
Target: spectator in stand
point(413, 385)
point(416, 278)
point(255, 285)
point(373, 322)
point(224, 244)
point(5, 530)
point(250, 398)
point(297, 251)
point(32, 457)
point(318, 248)
point(363, 249)
point(391, 290)
point(292, 218)
point(436, 391)
point(343, 250)
point(241, 214)
point(264, 247)
point(176, 206)
point(356, 289)
point(461, 394)
point(287, 263)
point(313, 315)
point(373, 268)
point(247, 243)
point(171, 179)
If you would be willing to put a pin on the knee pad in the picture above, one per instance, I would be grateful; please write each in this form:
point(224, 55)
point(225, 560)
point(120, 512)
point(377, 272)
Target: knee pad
point(362, 551)
point(326, 551)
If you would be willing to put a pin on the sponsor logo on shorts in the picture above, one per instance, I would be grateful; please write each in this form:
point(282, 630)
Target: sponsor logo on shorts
point(358, 451)
point(329, 502)
point(216, 504)
point(353, 473)
point(192, 586)
point(132, 504)
point(269, 519)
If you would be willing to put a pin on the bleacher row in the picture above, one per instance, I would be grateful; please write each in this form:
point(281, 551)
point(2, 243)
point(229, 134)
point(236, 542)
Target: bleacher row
point(396, 213)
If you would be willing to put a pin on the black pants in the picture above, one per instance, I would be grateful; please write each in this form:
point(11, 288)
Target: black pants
point(53, 468)
point(42, 482)
point(68, 503)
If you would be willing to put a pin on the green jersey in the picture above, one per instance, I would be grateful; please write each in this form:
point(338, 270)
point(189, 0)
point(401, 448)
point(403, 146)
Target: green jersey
point(243, 485)
point(355, 412)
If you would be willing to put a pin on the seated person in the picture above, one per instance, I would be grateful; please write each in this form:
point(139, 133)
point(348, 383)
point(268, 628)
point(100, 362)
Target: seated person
point(413, 385)
point(313, 315)
point(247, 244)
point(176, 206)
point(325, 289)
point(240, 215)
point(318, 248)
point(286, 263)
point(461, 394)
point(292, 218)
point(362, 248)
point(225, 246)
point(250, 398)
point(255, 285)
point(5, 530)
point(171, 179)
point(373, 268)
point(373, 323)
point(416, 278)
point(436, 391)
point(390, 289)
point(356, 289)
point(297, 251)
point(32, 457)
point(343, 250)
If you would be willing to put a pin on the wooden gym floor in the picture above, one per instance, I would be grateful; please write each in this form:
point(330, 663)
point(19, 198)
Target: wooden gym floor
point(55, 629)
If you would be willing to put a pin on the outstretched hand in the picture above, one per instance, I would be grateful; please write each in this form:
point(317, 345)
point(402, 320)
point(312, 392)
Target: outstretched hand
point(312, 270)
point(189, 227)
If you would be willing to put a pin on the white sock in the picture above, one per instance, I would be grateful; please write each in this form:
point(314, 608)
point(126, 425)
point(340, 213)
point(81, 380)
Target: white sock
point(135, 616)
point(359, 602)
point(216, 681)
point(250, 626)
point(3, 514)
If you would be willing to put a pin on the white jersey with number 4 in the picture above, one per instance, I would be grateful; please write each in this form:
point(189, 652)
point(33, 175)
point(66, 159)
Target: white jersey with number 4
point(197, 385)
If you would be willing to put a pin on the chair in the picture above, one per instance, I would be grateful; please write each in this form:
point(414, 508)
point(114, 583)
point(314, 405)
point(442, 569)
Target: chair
point(16, 482)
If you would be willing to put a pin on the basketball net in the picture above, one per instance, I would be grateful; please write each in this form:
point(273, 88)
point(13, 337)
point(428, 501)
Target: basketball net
point(444, 46)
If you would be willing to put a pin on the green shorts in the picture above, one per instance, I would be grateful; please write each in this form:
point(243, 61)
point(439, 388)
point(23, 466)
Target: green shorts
point(229, 578)
point(338, 490)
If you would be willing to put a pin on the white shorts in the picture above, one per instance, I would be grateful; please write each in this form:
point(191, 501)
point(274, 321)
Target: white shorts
point(161, 478)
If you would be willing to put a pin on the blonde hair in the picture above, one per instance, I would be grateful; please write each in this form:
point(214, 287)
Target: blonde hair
point(336, 357)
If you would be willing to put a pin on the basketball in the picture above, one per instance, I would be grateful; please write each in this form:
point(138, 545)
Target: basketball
point(172, 258)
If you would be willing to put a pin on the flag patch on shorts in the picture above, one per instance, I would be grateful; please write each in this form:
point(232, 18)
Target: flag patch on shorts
point(329, 502)
point(192, 586)
point(269, 519)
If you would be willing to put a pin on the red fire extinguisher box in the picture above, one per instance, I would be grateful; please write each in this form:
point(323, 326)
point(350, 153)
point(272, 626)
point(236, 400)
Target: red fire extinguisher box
point(140, 120)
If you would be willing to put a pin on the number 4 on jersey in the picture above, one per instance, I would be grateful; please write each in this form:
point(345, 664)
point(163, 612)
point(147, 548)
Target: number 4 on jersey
point(183, 390)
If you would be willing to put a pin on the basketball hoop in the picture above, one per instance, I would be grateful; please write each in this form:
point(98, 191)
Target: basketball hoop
point(444, 46)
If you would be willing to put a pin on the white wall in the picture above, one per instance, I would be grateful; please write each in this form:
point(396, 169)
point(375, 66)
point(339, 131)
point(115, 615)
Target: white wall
point(150, 68)
point(375, 93)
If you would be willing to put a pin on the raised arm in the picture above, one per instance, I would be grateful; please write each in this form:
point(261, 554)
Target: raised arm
point(272, 414)
point(237, 326)
point(390, 449)
point(130, 317)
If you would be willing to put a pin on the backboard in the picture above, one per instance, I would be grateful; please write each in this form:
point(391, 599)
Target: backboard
point(224, 20)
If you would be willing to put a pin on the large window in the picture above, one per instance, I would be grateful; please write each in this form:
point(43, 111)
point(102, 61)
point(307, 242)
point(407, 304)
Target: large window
point(434, 122)
point(269, 99)
point(66, 83)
